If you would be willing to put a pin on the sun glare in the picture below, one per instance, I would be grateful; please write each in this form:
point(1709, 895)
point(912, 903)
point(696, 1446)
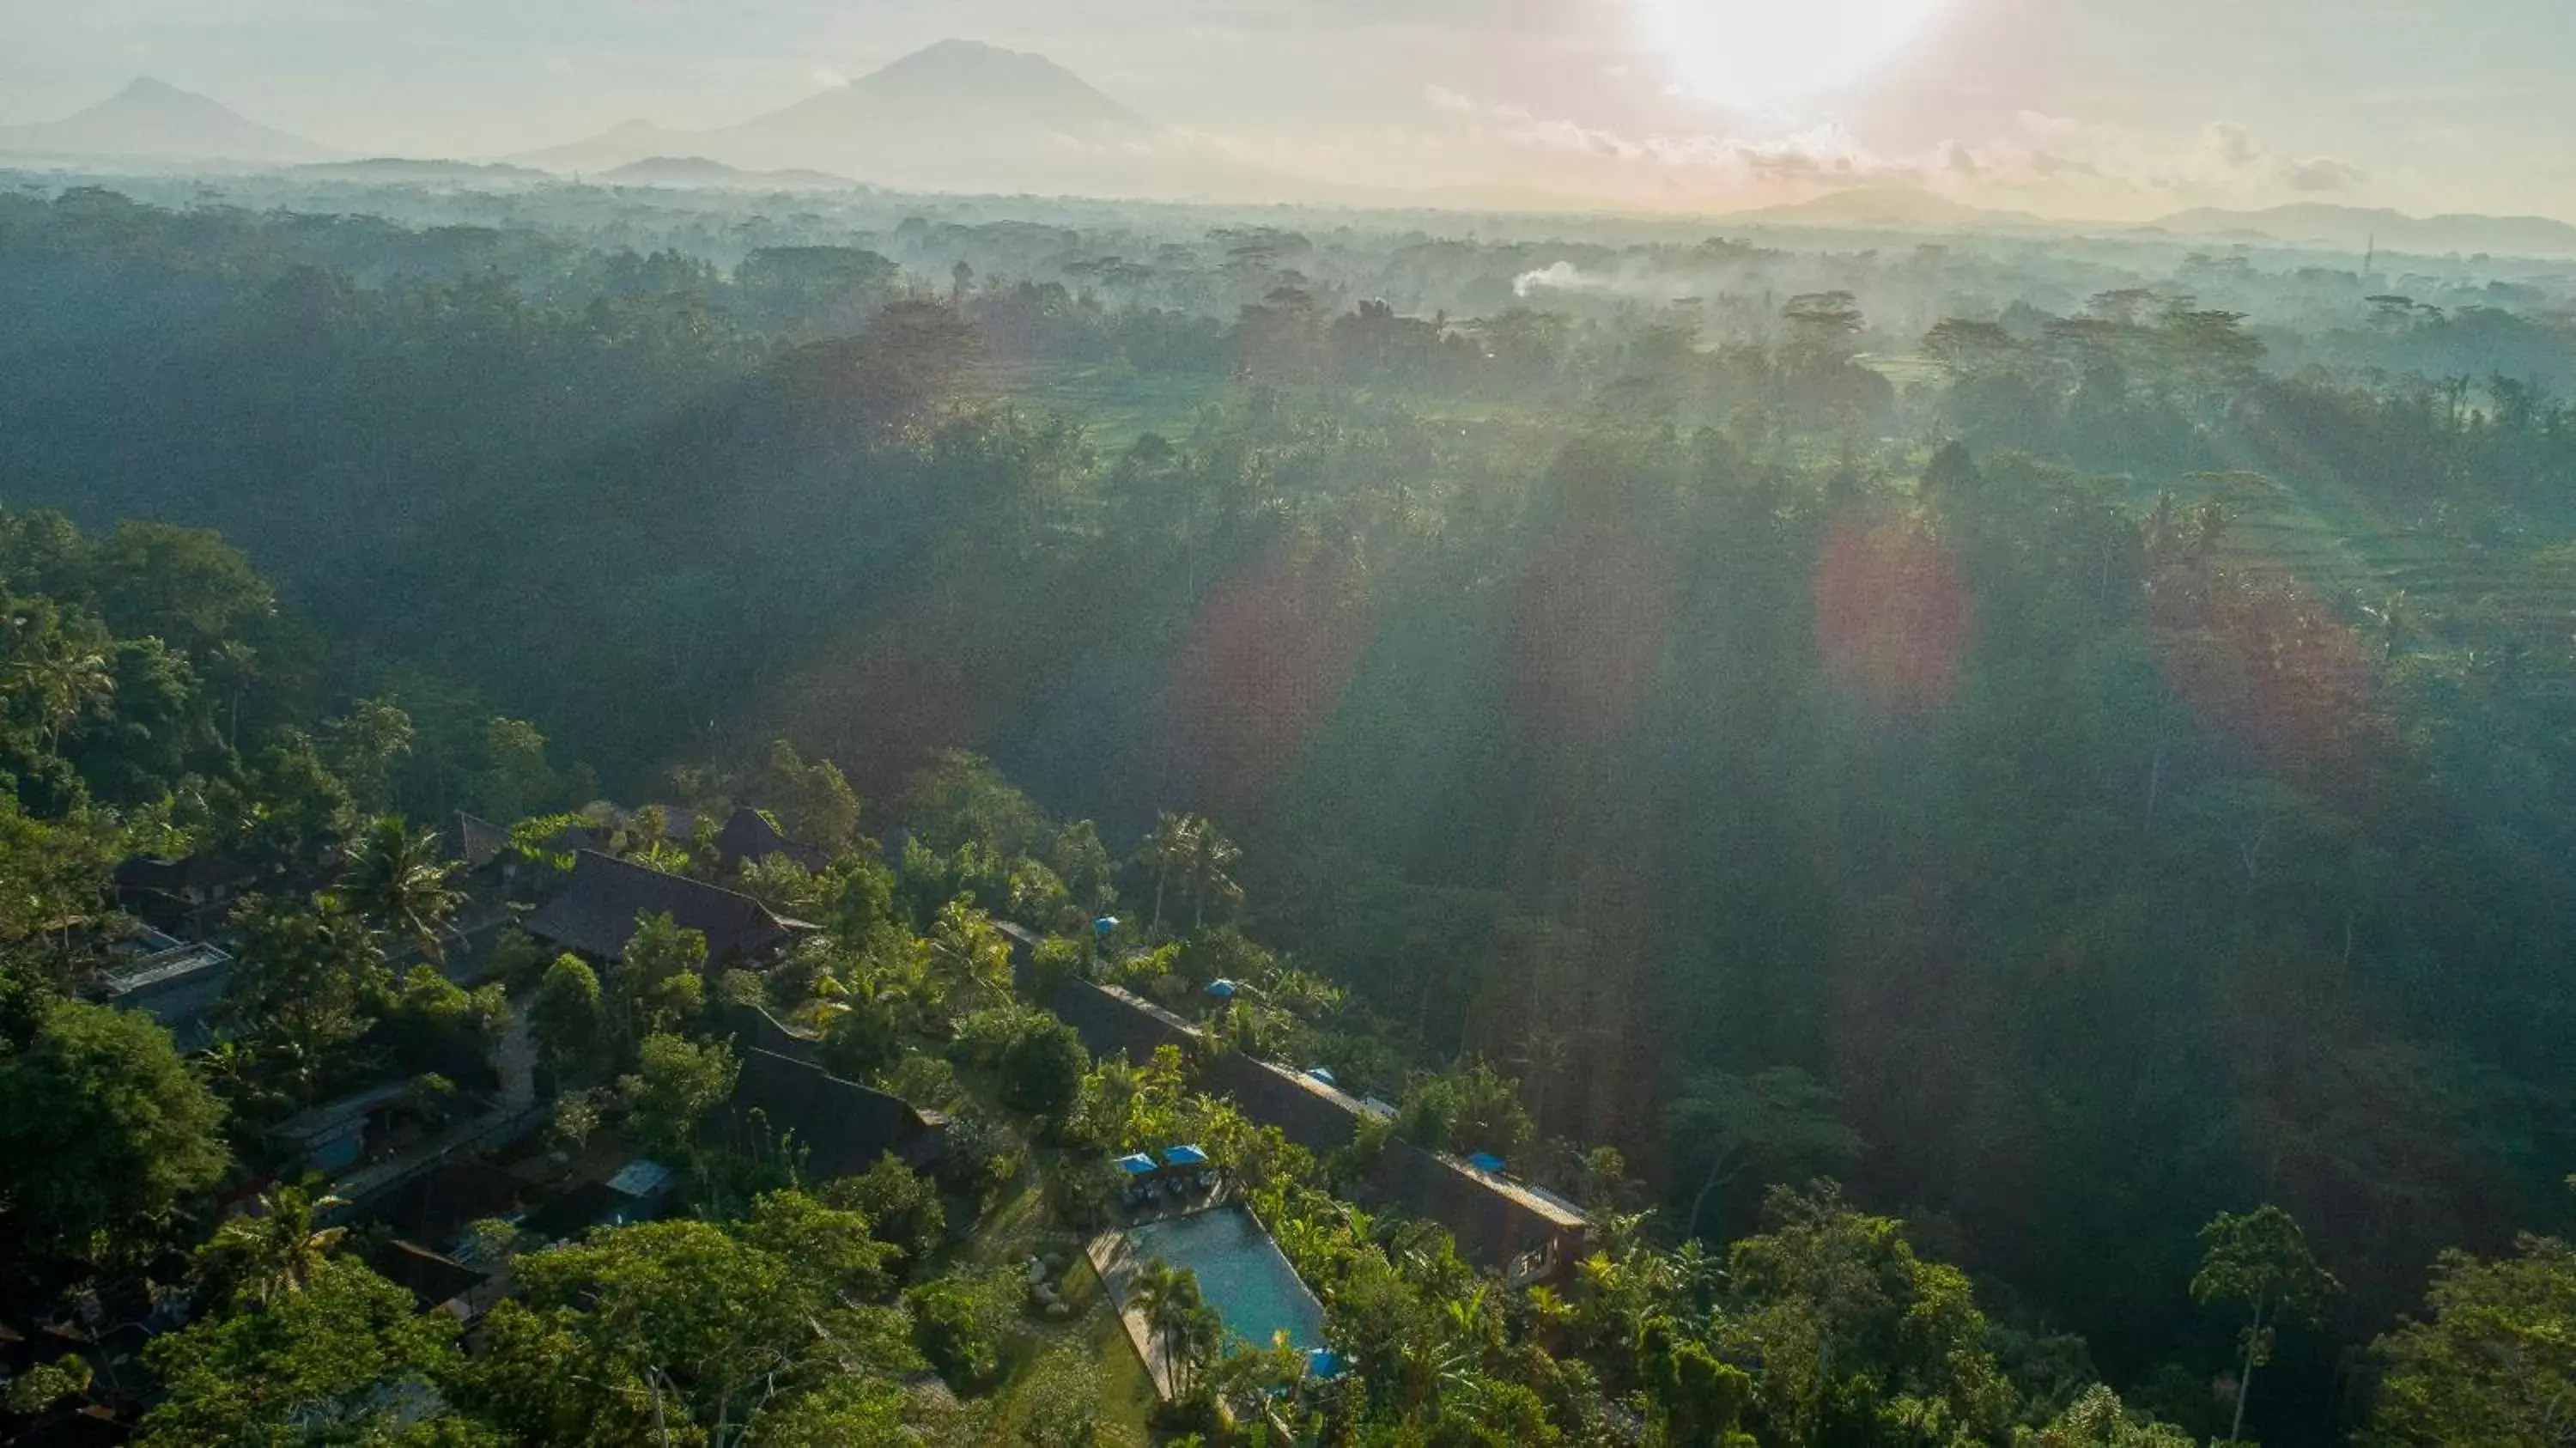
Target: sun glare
point(1774, 52)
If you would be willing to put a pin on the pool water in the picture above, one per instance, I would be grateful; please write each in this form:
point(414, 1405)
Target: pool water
point(1241, 1274)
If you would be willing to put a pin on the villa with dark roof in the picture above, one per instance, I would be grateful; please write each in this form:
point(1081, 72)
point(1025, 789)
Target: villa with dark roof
point(748, 837)
point(843, 1127)
point(596, 913)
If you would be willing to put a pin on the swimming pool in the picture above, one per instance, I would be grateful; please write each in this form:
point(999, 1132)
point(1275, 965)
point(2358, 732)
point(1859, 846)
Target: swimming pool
point(1241, 1274)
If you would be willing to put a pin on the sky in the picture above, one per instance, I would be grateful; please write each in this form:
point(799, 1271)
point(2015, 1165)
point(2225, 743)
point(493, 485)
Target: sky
point(2118, 109)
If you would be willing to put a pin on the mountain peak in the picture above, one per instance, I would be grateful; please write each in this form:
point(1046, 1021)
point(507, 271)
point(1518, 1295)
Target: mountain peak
point(144, 87)
point(961, 70)
point(153, 118)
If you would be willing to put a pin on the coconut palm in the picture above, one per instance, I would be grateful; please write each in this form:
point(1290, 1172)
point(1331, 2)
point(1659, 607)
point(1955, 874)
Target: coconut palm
point(1167, 852)
point(1179, 1318)
point(396, 879)
point(1211, 871)
point(272, 1251)
point(66, 682)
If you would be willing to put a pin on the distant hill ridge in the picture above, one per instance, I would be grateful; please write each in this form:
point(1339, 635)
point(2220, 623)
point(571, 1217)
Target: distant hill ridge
point(700, 171)
point(2355, 228)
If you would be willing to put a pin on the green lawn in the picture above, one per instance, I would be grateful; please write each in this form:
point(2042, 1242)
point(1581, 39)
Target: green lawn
point(1015, 1231)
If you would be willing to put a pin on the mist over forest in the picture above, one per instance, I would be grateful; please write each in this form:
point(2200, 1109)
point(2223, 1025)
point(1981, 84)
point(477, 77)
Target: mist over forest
point(1986, 803)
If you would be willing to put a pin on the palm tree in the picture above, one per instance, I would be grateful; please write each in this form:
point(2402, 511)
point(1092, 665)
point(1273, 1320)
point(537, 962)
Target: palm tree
point(1178, 1317)
point(397, 880)
point(272, 1252)
point(1211, 863)
point(67, 682)
point(234, 661)
point(1168, 852)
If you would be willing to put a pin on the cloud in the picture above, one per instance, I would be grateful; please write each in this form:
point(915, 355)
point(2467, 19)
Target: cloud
point(2231, 146)
point(828, 78)
point(1820, 153)
point(2323, 173)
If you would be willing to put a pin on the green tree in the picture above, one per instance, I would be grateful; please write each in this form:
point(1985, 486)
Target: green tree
point(2492, 1364)
point(835, 1249)
point(959, 1320)
point(395, 878)
point(1183, 1325)
point(363, 747)
point(1166, 855)
point(661, 980)
point(58, 678)
point(105, 1135)
point(1777, 1124)
point(847, 1412)
point(677, 1084)
point(2099, 1419)
point(815, 803)
point(515, 780)
point(2260, 1261)
point(567, 1018)
point(349, 1359)
point(42, 1386)
point(1476, 1108)
point(1862, 1339)
point(1211, 872)
point(300, 988)
point(677, 1324)
point(902, 1207)
point(1042, 1068)
point(274, 1249)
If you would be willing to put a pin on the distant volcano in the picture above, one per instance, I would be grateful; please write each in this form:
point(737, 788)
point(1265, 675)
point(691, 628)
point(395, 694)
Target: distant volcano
point(958, 116)
point(150, 119)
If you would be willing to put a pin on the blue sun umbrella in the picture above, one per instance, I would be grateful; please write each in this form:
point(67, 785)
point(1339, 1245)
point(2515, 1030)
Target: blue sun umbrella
point(1320, 1074)
point(1137, 1165)
point(1222, 989)
point(1485, 1161)
point(1104, 925)
point(1324, 1364)
point(1184, 1156)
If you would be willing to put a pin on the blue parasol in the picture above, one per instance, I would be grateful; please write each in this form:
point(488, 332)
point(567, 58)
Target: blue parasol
point(1184, 1156)
point(1137, 1165)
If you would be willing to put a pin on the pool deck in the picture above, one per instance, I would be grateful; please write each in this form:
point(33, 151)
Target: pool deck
point(1114, 1257)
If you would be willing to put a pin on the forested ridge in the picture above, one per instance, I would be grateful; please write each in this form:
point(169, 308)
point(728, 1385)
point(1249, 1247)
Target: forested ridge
point(2065, 755)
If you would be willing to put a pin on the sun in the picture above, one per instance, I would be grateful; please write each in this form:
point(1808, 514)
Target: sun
point(1770, 53)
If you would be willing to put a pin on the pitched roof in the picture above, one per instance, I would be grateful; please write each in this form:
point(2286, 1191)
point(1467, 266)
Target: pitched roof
point(436, 1208)
point(749, 836)
point(432, 1278)
point(596, 913)
point(478, 841)
point(844, 1127)
point(588, 1205)
point(201, 873)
